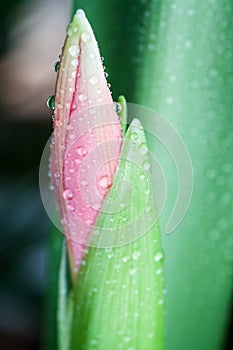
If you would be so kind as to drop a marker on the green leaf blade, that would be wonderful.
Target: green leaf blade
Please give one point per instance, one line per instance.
(119, 292)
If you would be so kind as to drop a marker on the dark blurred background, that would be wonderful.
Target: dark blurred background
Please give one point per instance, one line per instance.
(31, 36)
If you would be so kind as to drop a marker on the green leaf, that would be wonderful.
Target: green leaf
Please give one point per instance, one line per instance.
(50, 324)
(176, 57)
(65, 304)
(119, 297)
(123, 113)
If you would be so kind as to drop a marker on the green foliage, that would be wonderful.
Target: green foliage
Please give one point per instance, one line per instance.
(176, 57)
(119, 296)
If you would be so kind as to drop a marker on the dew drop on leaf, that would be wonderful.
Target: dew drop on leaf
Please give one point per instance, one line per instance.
(134, 136)
(146, 165)
(143, 150)
(158, 257)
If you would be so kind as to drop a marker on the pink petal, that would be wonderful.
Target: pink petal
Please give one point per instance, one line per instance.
(87, 136)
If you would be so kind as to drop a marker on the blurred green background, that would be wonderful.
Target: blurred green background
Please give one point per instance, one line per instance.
(31, 36)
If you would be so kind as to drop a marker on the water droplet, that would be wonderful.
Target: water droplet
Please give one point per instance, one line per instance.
(146, 165)
(51, 102)
(118, 107)
(136, 255)
(69, 30)
(159, 271)
(74, 50)
(85, 37)
(127, 339)
(82, 97)
(158, 257)
(94, 80)
(108, 250)
(134, 136)
(150, 335)
(81, 151)
(132, 272)
(84, 183)
(56, 66)
(89, 222)
(67, 194)
(143, 149)
(125, 259)
(105, 182)
(160, 302)
(51, 187)
(169, 100)
(70, 207)
(105, 74)
(74, 62)
(73, 106)
(96, 206)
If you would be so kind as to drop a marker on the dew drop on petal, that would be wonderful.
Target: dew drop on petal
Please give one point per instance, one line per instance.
(70, 207)
(73, 106)
(94, 80)
(51, 102)
(74, 62)
(84, 183)
(85, 37)
(118, 107)
(105, 182)
(56, 66)
(74, 50)
(67, 194)
(82, 97)
(81, 151)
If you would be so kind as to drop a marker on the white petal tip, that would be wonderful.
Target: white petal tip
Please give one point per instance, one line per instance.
(80, 13)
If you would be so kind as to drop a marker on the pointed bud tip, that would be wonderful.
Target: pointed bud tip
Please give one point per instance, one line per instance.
(80, 13)
(135, 124)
